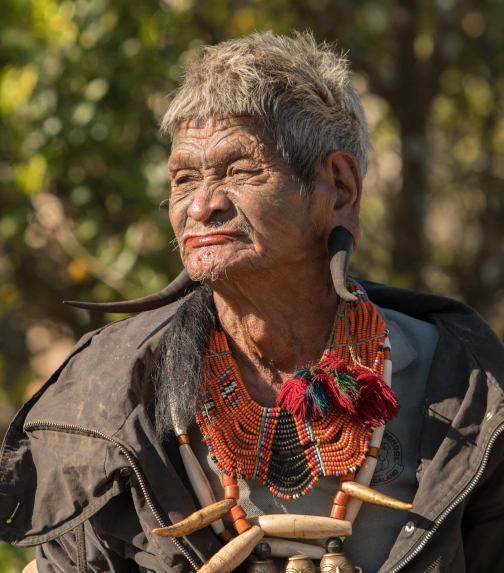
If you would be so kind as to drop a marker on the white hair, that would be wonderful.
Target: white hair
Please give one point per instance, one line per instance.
(299, 90)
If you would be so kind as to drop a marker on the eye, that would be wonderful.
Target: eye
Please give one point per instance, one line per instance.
(243, 170)
(182, 178)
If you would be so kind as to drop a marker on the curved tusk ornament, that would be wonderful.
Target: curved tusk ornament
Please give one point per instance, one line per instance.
(293, 526)
(178, 288)
(285, 548)
(340, 244)
(364, 493)
(197, 520)
(234, 552)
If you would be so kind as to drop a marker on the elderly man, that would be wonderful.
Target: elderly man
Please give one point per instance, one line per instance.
(283, 363)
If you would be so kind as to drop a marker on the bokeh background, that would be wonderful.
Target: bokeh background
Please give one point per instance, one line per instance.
(84, 83)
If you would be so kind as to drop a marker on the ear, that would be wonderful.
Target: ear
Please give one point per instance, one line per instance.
(340, 179)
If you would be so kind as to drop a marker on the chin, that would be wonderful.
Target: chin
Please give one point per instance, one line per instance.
(208, 272)
(208, 265)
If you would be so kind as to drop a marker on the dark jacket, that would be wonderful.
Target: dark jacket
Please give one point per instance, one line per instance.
(83, 451)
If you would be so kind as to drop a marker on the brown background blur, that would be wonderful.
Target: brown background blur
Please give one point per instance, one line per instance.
(83, 85)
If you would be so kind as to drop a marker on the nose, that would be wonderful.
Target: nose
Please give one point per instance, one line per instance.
(206, 203)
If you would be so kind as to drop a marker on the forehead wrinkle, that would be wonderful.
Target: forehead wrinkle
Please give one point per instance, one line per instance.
(225, 147)
(183, 158)
(198, 148)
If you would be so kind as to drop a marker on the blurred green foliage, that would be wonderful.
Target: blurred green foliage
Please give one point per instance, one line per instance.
(13, 559)
(83, 84)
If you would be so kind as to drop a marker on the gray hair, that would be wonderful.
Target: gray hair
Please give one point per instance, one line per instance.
(300, 91)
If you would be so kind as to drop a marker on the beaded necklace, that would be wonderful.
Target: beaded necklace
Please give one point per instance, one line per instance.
(285, 452)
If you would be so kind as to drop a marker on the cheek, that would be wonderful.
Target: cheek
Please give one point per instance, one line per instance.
(177, 213)
(280, 226)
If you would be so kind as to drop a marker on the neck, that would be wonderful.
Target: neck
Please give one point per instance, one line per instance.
(275, 324)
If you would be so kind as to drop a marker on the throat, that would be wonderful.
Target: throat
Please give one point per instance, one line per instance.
(270, 336)
(267, 353)
(262, 381)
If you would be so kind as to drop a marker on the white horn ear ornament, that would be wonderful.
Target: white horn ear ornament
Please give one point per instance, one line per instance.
(340, 245)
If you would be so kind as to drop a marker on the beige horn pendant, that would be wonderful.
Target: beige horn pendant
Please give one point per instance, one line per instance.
(285, 548)
(197, 520)
(364, 493)
(302, 526)
(234, 552)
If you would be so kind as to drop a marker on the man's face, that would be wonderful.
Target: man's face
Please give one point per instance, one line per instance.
(234, 206)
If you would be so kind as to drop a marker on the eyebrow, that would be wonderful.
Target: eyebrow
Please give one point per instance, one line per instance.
(193, 161)
(183, 162)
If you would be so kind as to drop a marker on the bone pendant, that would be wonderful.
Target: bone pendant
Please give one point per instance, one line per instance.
(234, 552)
(364, 476)
(200, 483)
(302, 526)
(285, 548)
(197, 520)
(371, 496)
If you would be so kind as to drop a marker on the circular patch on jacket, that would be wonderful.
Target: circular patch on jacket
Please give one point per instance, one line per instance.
(389, 464)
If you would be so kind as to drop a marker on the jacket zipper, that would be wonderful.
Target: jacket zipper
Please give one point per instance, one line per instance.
(38, 425)
(453, 504)
(178, 543)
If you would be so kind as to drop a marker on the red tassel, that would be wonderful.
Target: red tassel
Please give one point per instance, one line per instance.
(317, 387)
(378, 403)
(292, 397)
(338, 400)
(333, 363)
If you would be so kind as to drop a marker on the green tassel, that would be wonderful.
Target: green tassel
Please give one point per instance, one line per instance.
(320, 399)
(302, 373)
(348, 386)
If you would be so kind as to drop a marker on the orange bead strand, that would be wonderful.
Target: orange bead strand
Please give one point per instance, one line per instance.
(246, 440)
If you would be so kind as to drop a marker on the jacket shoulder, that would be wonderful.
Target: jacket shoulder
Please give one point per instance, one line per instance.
(67, 437)
(457, 319)
(105, 375)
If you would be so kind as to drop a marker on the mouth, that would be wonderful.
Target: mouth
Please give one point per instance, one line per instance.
(209, 239)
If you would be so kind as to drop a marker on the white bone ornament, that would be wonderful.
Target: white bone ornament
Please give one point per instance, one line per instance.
(302, 526)
(198, 479)
(365, 473)
(234, 552)
(285, 548)
(197, 520)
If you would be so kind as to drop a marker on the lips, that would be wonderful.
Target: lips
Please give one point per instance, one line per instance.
(206, 240)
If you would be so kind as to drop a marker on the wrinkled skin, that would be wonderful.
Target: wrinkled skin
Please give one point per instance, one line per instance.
(244, 227)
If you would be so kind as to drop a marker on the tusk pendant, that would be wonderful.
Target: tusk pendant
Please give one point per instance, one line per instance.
(364, 493)
(234, 552)
(199, 482)
(285, 548)
(302, 526)
(197, 520)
